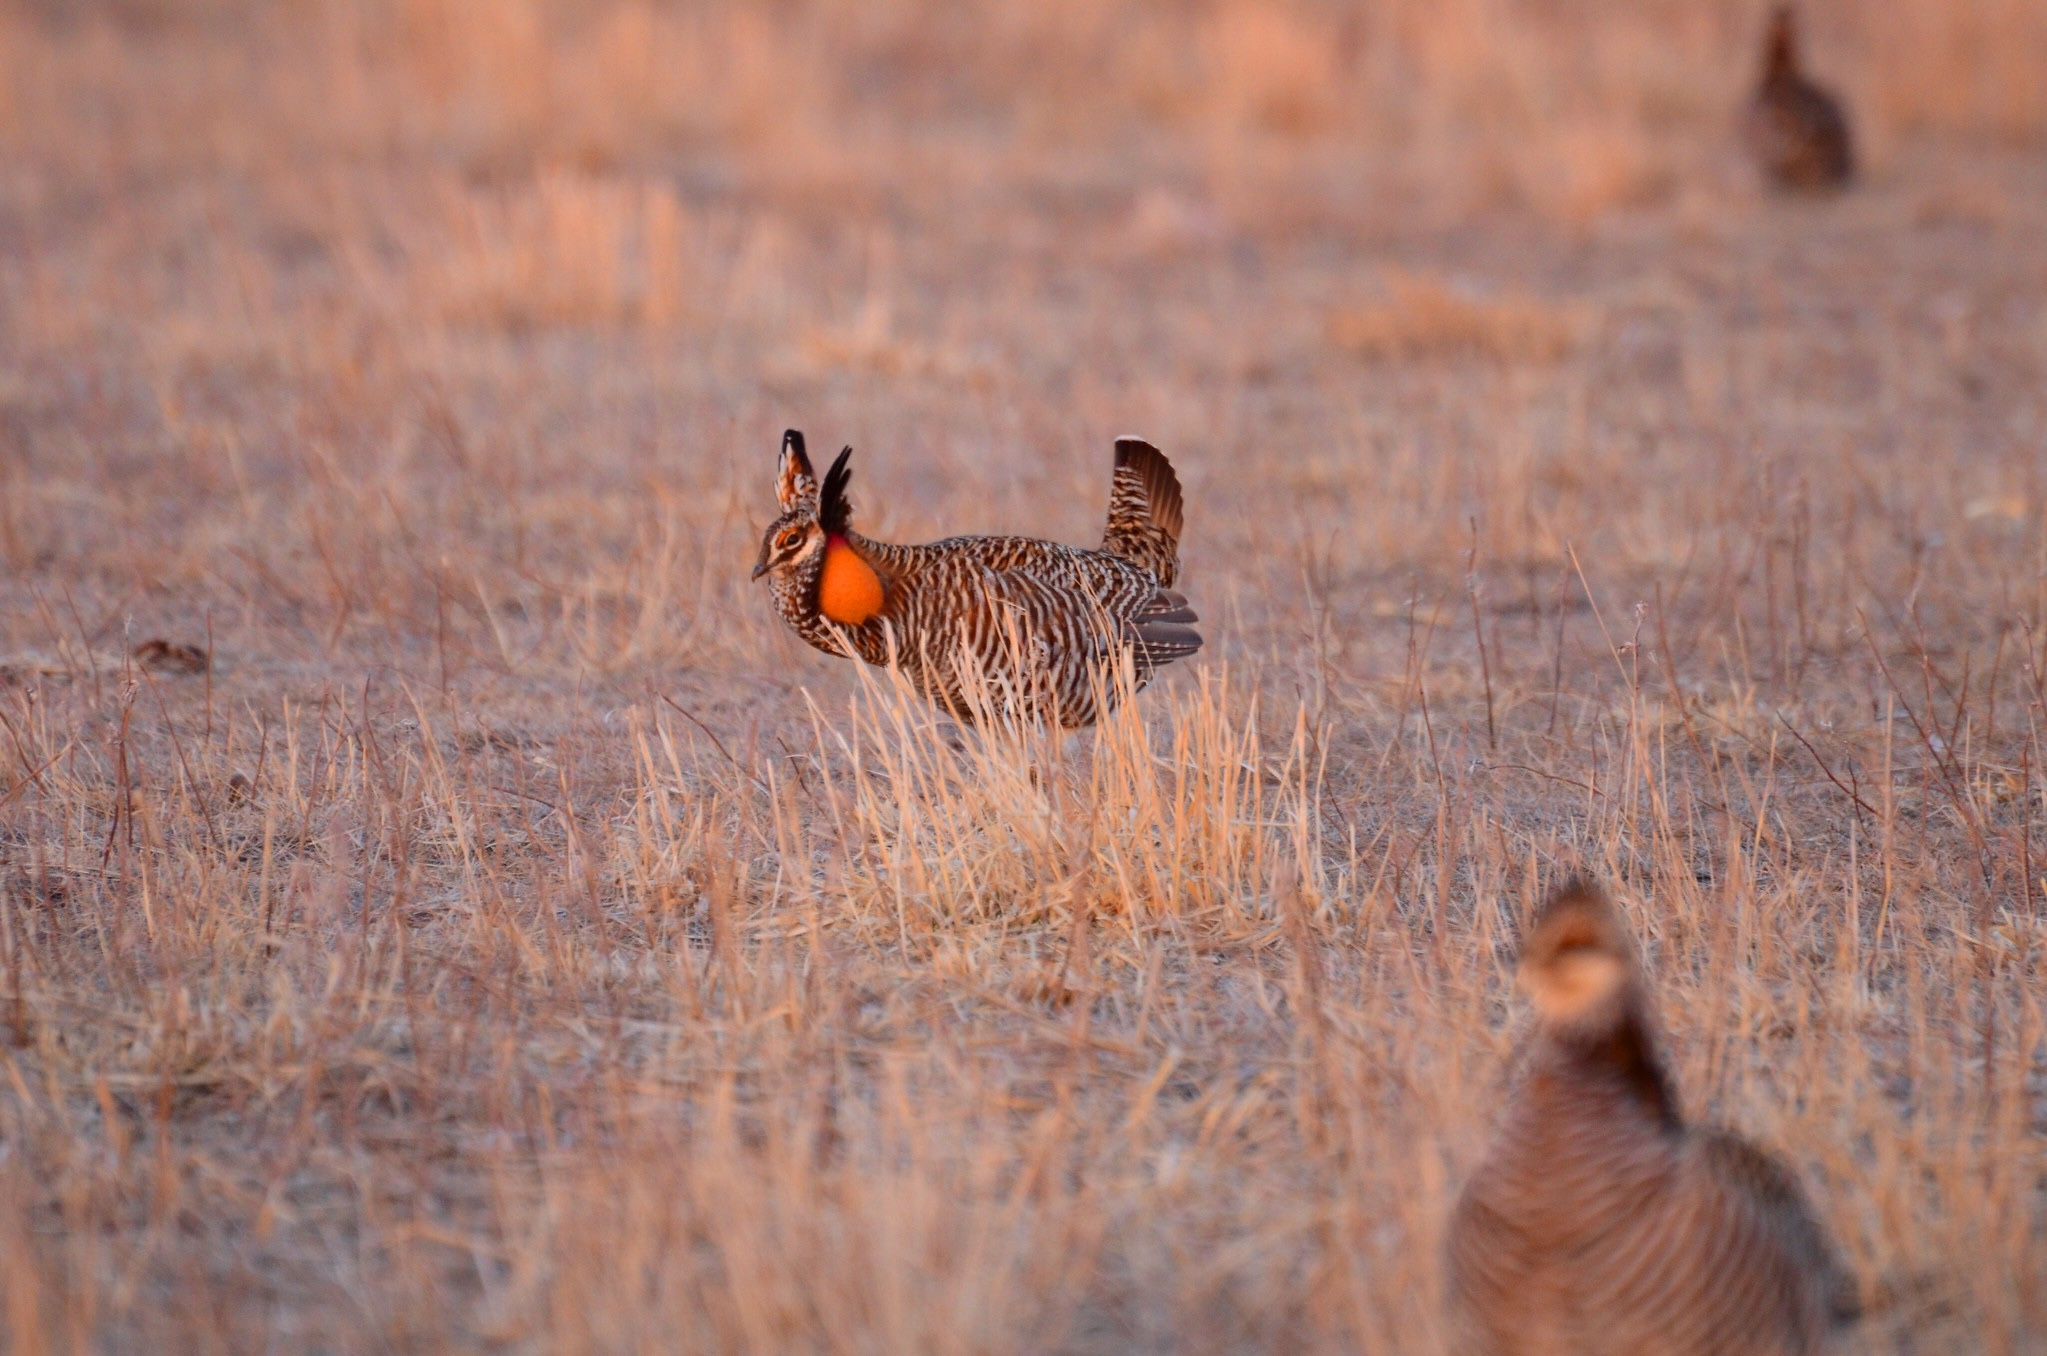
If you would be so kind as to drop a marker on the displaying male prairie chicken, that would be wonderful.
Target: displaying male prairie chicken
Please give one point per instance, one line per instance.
(1037, 621)
(1796, 129)
(1600, 1224)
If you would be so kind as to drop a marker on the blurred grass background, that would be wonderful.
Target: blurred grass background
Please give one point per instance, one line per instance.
(513, 939)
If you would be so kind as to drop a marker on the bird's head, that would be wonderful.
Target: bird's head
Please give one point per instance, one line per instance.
(1578, 965)
(812, 537)
(790, 540)
(797, 535)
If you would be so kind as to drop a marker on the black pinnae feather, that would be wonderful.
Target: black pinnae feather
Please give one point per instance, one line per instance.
(834, 510)
(792, 441)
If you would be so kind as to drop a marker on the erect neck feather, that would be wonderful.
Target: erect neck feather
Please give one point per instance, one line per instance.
(1781, 62)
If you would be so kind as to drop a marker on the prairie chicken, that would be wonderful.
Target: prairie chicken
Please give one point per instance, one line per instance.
(1600, 1224)
(1036, 620)
(1796, 130)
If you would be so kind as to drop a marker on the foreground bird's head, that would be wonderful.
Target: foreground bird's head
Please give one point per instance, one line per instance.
(797, 536)
(1578, 965)
(790, 541)
(809, 549)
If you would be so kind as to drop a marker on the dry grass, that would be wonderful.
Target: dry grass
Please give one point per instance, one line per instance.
(441, 907)
(1426, 317)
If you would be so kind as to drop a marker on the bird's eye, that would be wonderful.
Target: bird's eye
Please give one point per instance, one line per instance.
(789, 539)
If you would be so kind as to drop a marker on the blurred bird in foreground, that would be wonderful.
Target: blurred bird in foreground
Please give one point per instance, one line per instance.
(1796, 129)
(1012, 627)
(1600, 1224)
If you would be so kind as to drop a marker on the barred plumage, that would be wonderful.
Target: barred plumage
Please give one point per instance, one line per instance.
(1599, 1223)
(1796, 129)
(1038, 621)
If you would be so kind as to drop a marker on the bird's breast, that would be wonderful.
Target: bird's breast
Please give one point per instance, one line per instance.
(849, 591)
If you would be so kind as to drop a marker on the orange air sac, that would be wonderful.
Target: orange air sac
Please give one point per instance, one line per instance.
(849, 591)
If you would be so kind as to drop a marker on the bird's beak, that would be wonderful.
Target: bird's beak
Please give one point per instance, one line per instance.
(760, 570)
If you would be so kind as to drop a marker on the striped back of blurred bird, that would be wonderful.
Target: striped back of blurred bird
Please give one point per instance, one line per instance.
(1599, 1223)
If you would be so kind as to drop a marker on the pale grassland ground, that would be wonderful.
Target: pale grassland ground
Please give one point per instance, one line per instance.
(581, 964)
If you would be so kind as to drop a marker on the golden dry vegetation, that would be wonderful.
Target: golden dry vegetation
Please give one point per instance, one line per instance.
(441, 908)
